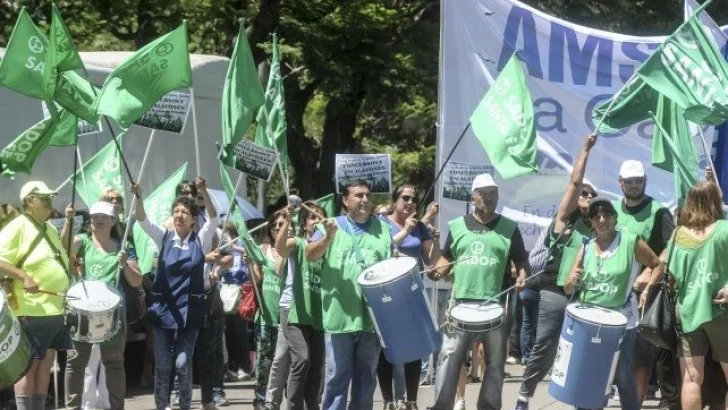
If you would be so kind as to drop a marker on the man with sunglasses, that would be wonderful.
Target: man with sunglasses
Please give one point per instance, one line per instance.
(642, 215)
(553, 256)
(31, 254)
(484, 243)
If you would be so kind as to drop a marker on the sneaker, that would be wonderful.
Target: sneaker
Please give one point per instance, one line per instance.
(231, 376)
(511, 360)
(175, 402)
(242, 376)
(521, 405)
(218, 397)
(388, 405)
(401, 405)
(459, 405)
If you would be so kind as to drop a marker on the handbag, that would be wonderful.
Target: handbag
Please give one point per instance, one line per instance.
(230, 295)
(248, 304)
(658, 322)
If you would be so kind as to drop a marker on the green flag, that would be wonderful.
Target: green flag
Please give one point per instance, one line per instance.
(272, 126)
(503, 123)
(672, 146)
(136, 84)
(689, 69)
(234, 211)
(60, 56)
(103, 171)
(242, 94)
(157, 207)
(633, 104)
(66, 131)
(253, 250)
(20, 155)
(22, 69)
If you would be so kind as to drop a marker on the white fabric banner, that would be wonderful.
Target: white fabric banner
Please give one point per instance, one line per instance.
(569, 70)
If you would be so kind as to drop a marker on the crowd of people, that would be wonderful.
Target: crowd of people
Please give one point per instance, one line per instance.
(314, 339)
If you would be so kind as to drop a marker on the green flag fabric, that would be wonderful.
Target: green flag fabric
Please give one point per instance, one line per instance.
(672, 146)
(157, 207)
(272, 126)
(66, 132)
(234, 212)
(60, 56)
(633, 104)
(689, 69)
(103, 171)
(21, 154)
(503, 123)
(135, 85)
(242, 94)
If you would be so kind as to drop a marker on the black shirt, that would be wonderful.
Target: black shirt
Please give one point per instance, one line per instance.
(549, 277)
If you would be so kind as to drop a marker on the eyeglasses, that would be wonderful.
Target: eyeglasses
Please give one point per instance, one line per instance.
(44, 198)
(408, 198)
(588, 194)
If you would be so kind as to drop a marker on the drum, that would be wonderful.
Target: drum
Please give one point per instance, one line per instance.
(476, 316)
(400, 310)
(588, 332)
(94, 318)
(16, 353)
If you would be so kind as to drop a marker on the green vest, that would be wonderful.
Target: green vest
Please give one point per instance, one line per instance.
(483, 258)
(343, 303)
(571, 249)
(700, 271)
(641, 223)
(269, 313)
(306, 305)
(608, 281)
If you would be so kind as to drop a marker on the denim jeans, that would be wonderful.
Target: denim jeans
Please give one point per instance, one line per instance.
(529, 302)
(442, 298)
(173, 346)
(209, 348)
(351, 358)
(452, 357)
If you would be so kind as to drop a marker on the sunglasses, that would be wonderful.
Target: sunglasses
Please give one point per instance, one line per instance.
(408, 198)
(633, 181)
(588, 194)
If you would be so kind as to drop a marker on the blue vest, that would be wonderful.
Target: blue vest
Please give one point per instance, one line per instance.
(178, 291)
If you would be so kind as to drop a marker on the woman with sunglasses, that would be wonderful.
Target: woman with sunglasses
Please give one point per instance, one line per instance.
(411, 238)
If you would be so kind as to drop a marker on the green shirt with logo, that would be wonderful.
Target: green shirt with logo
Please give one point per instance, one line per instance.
(344, 309)
(269, 312)
(641, 223)
(700, 269)
(608, 279)
(482, 256)
(580, 231)
(306, 307)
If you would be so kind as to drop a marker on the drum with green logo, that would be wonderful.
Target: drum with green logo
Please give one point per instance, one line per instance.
(16, 354)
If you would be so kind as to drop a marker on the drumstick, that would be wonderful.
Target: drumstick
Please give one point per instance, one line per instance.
(509, 289)
(60, 295)
(440, 266)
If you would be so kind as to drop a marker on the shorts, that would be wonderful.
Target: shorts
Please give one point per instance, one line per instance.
(46, 332)
(644, 353)
(711, 335)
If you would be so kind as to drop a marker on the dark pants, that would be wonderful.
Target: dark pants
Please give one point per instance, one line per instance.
(385, 374)
(550, 318)
(529, 301)
(306, 347)
(209, 351)
(238, 343)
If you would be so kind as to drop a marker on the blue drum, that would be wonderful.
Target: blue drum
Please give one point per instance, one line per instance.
(587, 357)
(399, 308)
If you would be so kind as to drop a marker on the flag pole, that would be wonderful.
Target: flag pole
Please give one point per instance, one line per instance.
(615, 97)
(442, 168)
(234, 199)
(194, 128)
(83, 173)
(134, 197)
(708, 155)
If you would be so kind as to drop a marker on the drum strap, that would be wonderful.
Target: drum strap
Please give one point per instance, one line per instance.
(354, 239)
(56, 252)
(33, 245)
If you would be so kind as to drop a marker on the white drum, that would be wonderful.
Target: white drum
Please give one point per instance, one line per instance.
(476, 316)
(94, 318)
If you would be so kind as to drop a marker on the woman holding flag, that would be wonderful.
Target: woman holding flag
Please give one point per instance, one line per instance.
(177, 310)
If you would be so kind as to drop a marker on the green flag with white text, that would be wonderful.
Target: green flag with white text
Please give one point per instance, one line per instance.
(141, 80)
(158, 208)
(103, 171)
(60, 56)
(503, 123)
(242, 94)
(272, 125)
(20, 155)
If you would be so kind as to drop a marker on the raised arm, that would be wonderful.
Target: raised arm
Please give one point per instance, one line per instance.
(316, 250)
(570, 200)
(285, 245)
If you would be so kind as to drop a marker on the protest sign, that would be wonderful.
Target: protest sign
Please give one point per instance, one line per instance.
(376, 169)
(84, 127)
(457, 179)
(168, 114)
(255, 160)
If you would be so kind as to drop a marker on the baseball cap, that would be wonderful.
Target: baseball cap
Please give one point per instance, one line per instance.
(483, 181)
(36, 188)
(631, 169)
(102, 208)
(604, 202)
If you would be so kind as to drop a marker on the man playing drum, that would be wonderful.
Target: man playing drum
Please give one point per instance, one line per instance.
(483, 243)
(647, 218)
(32, 255)
(352, 347)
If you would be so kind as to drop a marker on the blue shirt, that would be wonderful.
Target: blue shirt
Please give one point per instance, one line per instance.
(412, 244)
(347, 225)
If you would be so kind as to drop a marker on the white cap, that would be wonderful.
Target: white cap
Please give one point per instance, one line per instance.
(483, 181)
(102, 208)
(37, 188)
(631, 169)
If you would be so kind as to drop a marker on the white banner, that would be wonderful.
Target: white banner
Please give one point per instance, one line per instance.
(457, 179)
(570, 69)
(376, 169)
(168, 114)
(255, 160)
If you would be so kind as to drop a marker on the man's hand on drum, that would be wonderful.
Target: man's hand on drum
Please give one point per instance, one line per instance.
(721, 297)
(122, 257)
(29, 284)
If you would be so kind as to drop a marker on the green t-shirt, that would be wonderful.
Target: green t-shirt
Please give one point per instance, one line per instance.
(269, 313)
(97, 264)
(343, 303)
(306, 305)
(700, 270)
(483, 258)
(608, 279)
(641, 223)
